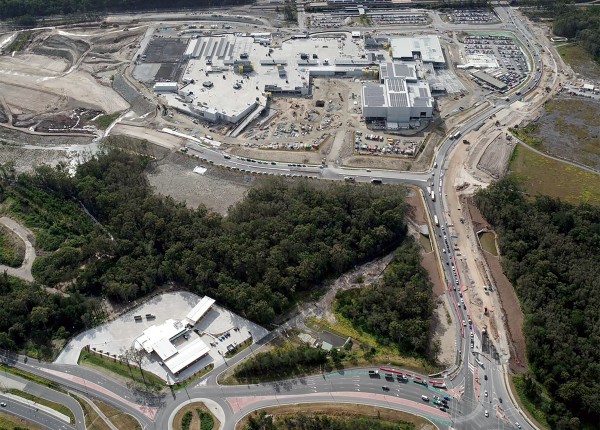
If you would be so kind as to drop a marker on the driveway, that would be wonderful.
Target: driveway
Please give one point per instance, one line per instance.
(23, 272)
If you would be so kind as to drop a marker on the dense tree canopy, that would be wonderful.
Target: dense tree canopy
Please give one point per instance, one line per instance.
(31, 319)
(398, 309)
(550, 252)
(280, 240)
(580, 23)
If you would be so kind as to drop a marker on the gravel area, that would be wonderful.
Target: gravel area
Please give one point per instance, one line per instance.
(27, 159)
(215, 189)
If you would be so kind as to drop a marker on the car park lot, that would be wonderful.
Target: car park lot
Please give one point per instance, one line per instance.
(216, 329)
(511, 60)
(473, 16)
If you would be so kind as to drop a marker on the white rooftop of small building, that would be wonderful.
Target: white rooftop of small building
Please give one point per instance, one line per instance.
(189, 353)
(199, 310)
(153, 336)
(428, 46)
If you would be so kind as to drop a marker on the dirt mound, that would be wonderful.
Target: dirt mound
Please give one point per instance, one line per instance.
(63, 47)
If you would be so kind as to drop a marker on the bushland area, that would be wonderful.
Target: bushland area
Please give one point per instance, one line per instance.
(550, 251)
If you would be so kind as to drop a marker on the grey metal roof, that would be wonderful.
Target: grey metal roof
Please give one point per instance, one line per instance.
(398, 99)
(374, 95)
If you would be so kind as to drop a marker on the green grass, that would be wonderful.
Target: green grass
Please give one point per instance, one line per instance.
(130, 373)
(239, 348)
(9, 253)
(105, 120)
(526, 135)
(31, 377)
(10, 422)
(23, 39)
(56, 406)
(531, 406)
(580, 60)
(195, 377)
(542, 175)
(206, 420)
(378, 353)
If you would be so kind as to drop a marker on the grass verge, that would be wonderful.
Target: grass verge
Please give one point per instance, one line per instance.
(194, 377)
(345, 411)
(533, 410)
(30, 377)
(542, 175)
(201, 417)
(120, 419)
(11, 422)
(239, 348)
(129, 373)
(53, 405)
(92, 419)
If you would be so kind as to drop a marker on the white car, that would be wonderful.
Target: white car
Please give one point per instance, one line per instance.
(486, 393)
(487, 414)
(3, 404)
(518, 425)
(464, 323)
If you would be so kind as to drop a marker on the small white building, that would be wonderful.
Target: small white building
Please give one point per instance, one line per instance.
(165, 87)
(174, 343)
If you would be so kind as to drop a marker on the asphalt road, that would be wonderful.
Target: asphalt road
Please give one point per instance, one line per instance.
(32, 414)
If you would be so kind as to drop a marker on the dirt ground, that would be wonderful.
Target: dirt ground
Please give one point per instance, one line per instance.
(345, 411)
(216, 189)
(511, 308)
(495, 158)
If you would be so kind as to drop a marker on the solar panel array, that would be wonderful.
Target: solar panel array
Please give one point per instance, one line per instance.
(374, 96)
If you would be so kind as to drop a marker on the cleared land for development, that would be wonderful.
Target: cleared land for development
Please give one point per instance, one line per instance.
(496, 157)
(580, 61)
(542, 175)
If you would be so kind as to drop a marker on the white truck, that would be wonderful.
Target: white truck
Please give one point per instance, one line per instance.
(433, 196)
(435, 220)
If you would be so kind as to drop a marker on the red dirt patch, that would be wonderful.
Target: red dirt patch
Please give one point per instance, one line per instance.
(511, 308)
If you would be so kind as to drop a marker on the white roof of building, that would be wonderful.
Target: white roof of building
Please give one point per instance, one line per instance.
(191, 352)
(428, 46)
(199, 310)
(164, 348)
(152, 338)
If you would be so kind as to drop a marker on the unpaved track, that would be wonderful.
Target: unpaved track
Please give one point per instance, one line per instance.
(23, 272)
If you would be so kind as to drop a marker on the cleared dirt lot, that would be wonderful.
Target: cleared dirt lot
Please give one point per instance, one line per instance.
(496, 156)
(174, 177)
